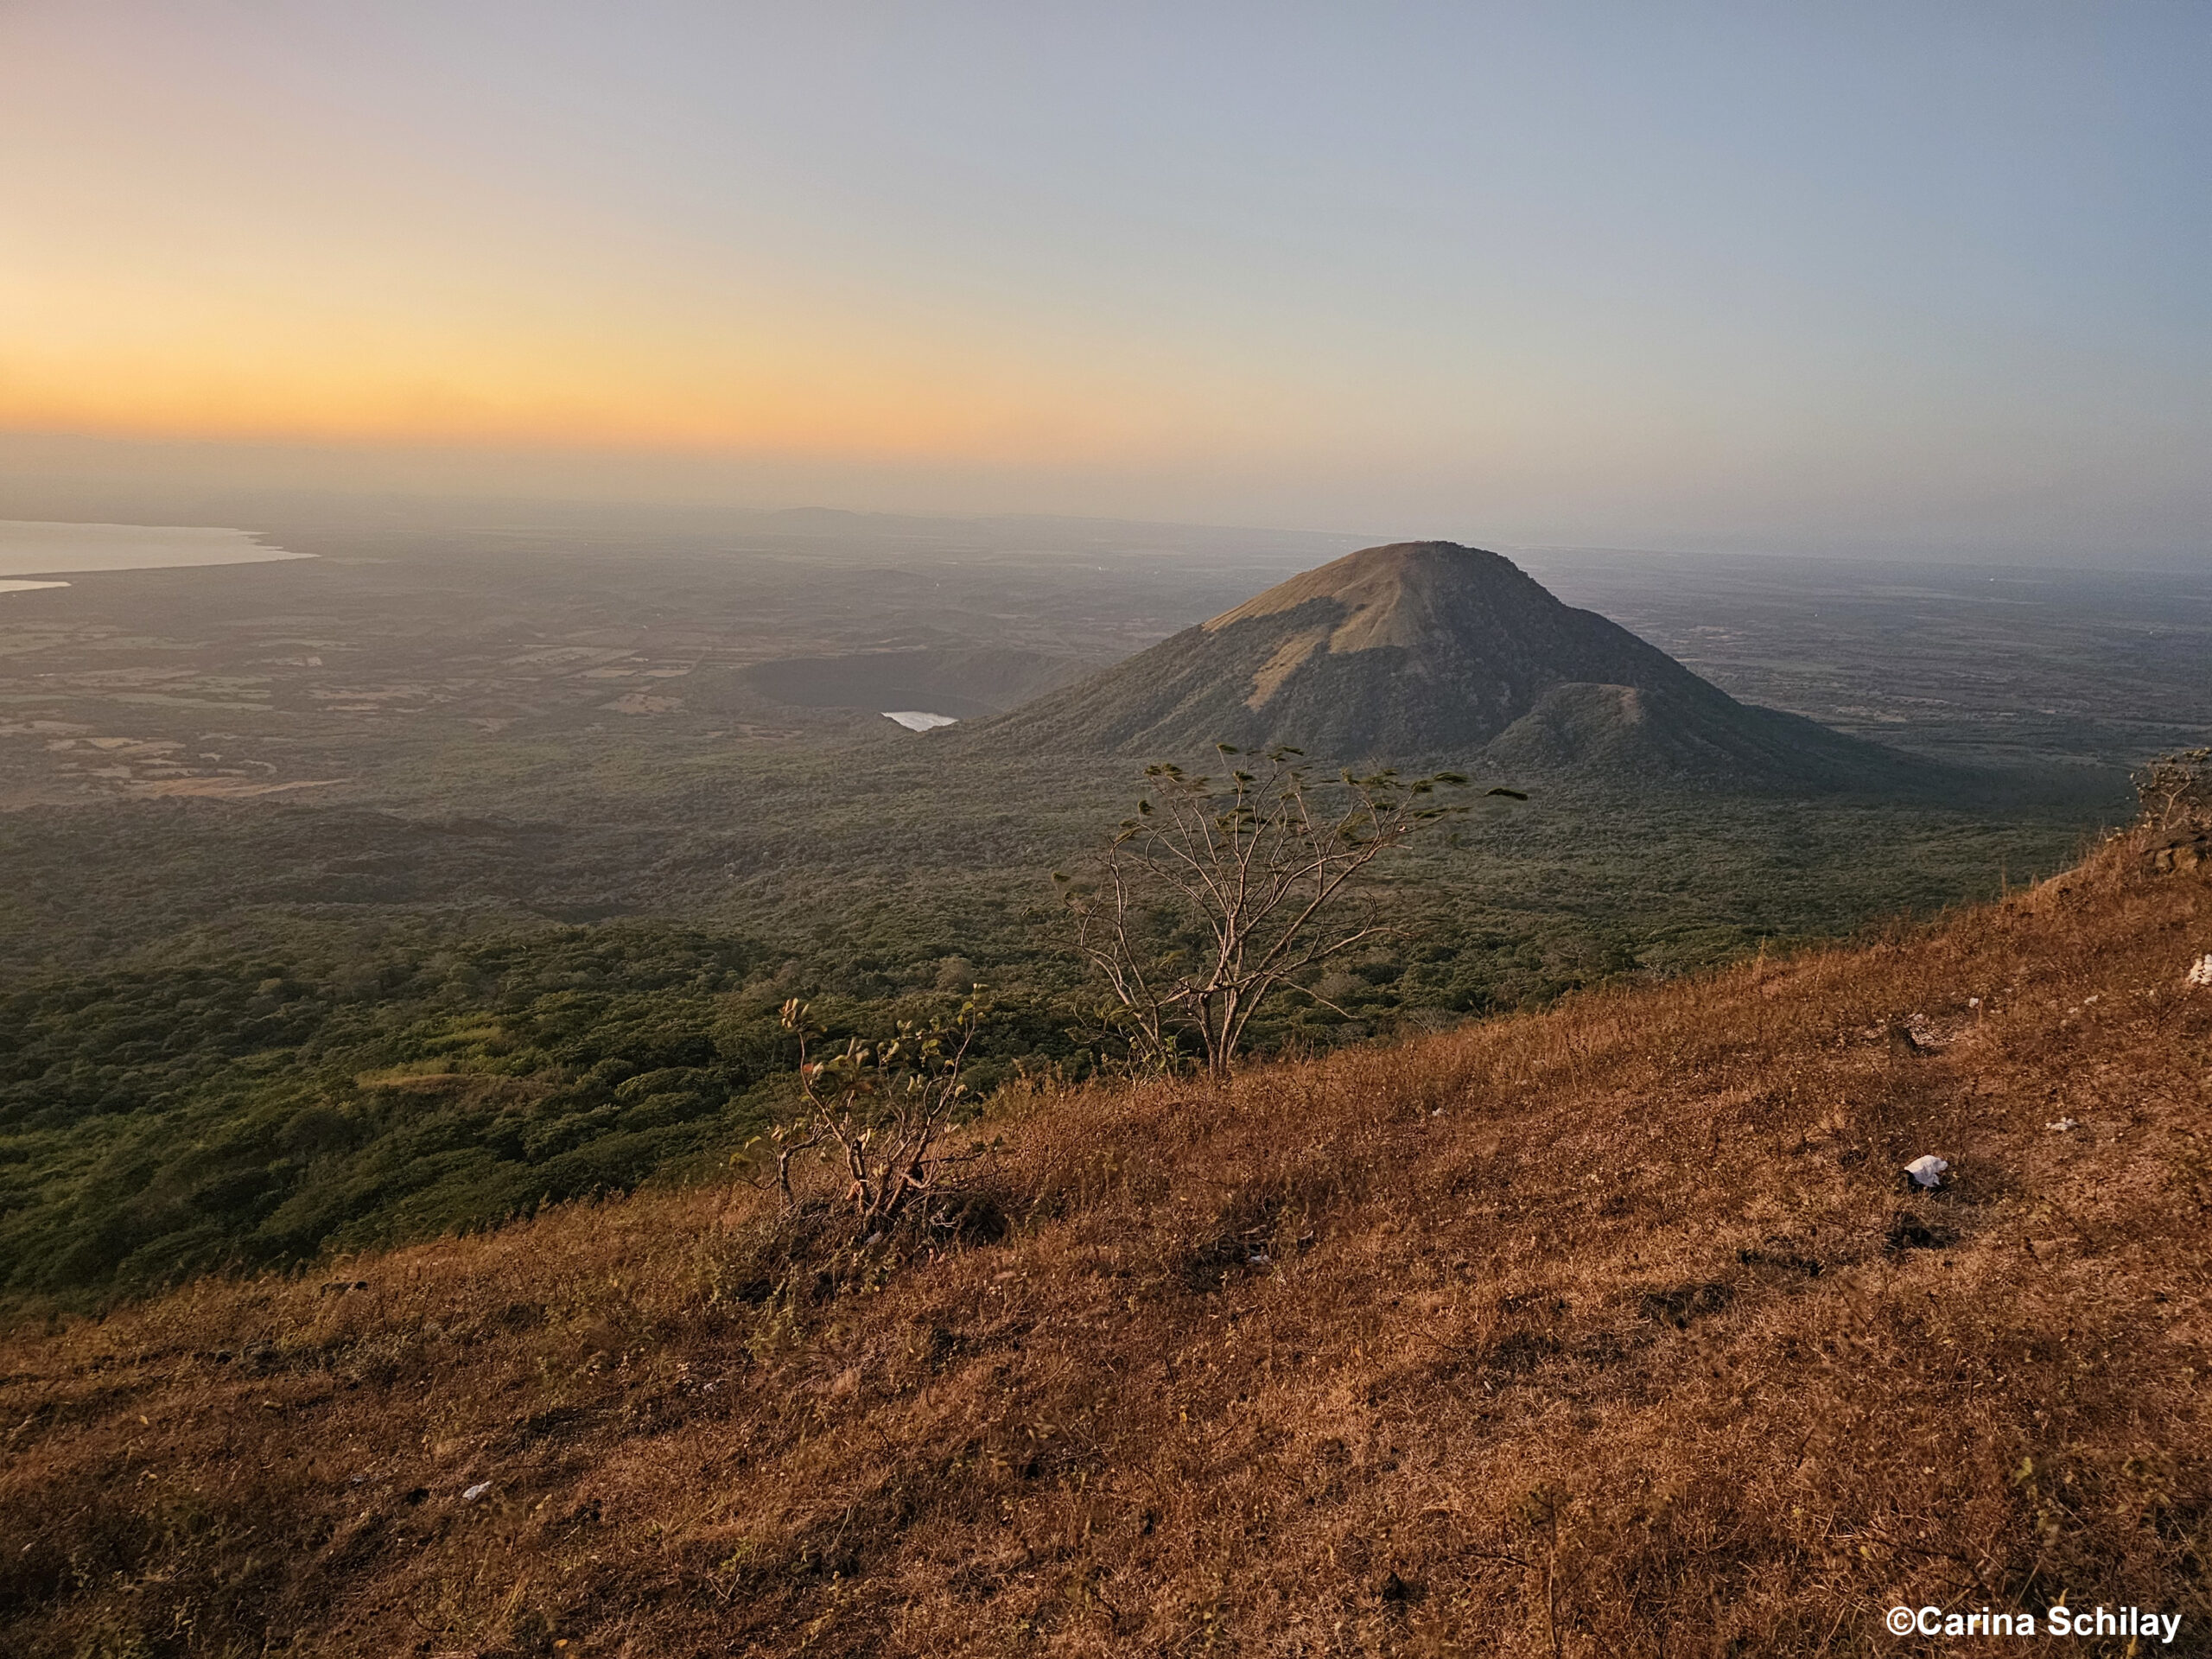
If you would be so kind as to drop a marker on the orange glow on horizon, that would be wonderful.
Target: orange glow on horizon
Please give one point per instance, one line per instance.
(492, 390)
(346, 410)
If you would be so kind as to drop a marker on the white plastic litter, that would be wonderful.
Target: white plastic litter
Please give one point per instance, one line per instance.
(2200, 974)
(476, 1491)
(2062, 1125)
(1928, 1170)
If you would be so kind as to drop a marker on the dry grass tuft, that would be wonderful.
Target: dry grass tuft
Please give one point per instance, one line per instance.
(1610, 1330)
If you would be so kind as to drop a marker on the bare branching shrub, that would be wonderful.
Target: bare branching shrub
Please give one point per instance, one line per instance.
(884, 1112)
(2176, 790)
(1216, 894)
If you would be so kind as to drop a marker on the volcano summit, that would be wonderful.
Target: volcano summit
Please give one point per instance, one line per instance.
(1432, 650)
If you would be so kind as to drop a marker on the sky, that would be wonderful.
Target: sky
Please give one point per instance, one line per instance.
(1871, 276)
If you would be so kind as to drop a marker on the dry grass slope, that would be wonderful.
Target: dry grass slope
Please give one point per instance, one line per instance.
(1605, 1332)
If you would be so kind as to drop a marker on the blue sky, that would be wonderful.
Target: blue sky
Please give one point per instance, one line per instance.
(1880, 276)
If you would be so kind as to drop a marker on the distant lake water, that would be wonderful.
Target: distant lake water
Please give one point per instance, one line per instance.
(28, 548)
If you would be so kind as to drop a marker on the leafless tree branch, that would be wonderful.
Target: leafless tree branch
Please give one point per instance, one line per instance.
(1252, 869)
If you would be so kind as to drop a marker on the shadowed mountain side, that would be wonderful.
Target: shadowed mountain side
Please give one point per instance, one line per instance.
(1623, 731)
(1427, 650)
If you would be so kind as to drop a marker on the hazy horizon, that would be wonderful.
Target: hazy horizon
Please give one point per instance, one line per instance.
(1892, 282)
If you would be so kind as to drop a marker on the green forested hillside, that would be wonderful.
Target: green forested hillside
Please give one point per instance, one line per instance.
(238, 1036)
(253, 1111)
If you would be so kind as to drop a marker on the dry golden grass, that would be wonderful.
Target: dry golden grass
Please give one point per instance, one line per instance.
(1604, 1331)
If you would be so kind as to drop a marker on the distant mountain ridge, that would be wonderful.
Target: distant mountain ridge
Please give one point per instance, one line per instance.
(1429, 650)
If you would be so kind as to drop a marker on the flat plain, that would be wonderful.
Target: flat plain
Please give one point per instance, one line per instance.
(465, 863)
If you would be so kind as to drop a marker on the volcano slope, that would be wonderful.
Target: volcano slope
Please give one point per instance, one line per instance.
(1432, 650)
(1605, 1331)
